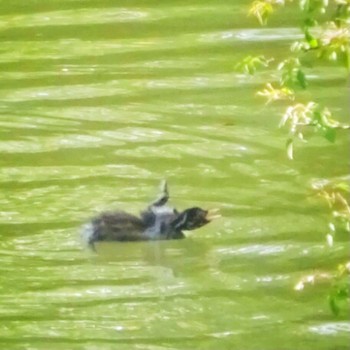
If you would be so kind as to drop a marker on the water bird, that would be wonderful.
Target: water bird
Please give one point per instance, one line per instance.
(157, 222)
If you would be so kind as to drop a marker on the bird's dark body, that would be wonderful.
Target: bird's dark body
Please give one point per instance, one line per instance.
(122, 226)
(157, 222)
(118, 226)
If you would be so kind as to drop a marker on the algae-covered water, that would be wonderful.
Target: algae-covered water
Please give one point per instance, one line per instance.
(100, 101)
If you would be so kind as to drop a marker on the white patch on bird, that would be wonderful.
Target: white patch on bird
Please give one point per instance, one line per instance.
(162, 210)
(86, 232)
(182, 221)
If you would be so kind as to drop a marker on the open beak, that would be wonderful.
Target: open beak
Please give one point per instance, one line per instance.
(212, 214)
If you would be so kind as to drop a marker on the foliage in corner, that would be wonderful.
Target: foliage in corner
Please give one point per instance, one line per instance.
(325, 25)
(326, 35)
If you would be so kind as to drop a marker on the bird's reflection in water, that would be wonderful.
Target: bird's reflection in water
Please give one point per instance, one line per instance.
(171, 259)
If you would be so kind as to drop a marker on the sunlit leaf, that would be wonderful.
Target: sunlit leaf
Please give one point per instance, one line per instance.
(274, 94)
(251, 64)
(310, 39)
(344, 186)
(331, 226)
(291, 73)
(261, 10)
(312, 6)
(289, 146)
(329, 238)
(342, 2)
(336, 194)
(333, 56)
(298, 46)
(299, 286)
(304, 4)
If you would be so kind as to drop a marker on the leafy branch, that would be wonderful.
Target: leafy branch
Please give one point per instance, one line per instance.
(335, 194)
(326, 35)
(300, 116)
(250, 64)
(340, 291)
(339, 296)
(330, 41)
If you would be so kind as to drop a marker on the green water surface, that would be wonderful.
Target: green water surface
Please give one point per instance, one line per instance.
(99, 101)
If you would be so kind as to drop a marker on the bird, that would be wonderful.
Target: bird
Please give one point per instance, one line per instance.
(157, 222)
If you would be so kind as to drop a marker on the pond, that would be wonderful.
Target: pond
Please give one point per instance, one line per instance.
(100, 101)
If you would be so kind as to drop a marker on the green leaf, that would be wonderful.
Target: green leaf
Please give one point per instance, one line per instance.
(327, 132)
(310, 22)
(347, 58)
(343, 186)
(317, 118)
(342, 292)
(301, 79)
(333, 305)
(310, 39)
(261, 10)
(330, 134)
(313, 43)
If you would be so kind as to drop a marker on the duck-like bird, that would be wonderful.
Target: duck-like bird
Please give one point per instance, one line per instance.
(157, 222)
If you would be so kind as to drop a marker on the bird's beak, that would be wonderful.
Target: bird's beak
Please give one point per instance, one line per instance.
(212, 214)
